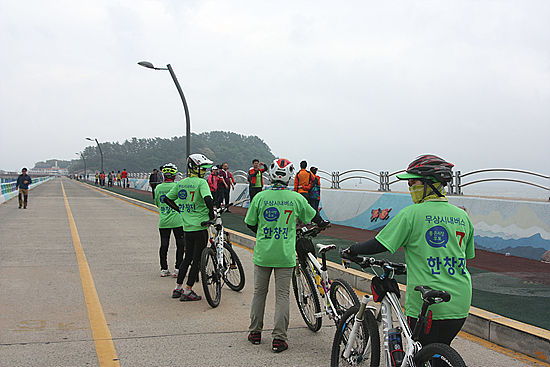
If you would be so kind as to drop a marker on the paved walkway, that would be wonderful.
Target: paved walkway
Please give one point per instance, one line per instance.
(81, 287)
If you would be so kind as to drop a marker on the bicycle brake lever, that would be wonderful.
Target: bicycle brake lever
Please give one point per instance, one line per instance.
(346, 263)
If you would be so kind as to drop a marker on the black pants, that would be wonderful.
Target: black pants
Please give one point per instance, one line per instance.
(224, 195)
(165, 243)
(253, 191)
(195, 242)
(442, 331)
(153, 185)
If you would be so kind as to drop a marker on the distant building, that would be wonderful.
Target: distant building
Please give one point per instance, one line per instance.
(52, 171)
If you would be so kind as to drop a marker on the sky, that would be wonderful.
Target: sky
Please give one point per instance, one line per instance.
(343, 85)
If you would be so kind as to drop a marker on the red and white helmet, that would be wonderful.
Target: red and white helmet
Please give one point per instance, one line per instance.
(281, 170)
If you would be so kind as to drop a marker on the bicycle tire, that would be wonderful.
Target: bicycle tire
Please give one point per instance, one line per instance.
(308, 302)
(343, 297)
(234, 278)
(444, 354)
(367, 343)
(211, 280)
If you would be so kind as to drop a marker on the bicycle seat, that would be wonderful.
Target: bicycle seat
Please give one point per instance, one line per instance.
(432, 296)
(324, 248)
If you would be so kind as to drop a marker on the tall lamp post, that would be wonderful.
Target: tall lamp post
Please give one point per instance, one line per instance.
(149, 65)
(99, 146)
(82, 156)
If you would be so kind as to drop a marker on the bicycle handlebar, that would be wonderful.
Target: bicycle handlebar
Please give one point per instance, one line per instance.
(217, 213)
(365, 262)
(313, 231)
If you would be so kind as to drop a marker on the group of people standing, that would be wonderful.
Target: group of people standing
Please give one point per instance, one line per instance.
(221, 182)
(273, 215)
(119, 179)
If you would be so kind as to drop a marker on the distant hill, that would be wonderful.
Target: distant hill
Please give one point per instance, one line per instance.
(51, 163)
(143, 155)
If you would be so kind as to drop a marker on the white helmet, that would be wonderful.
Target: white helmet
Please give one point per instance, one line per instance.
(281, 170)
(198, 160)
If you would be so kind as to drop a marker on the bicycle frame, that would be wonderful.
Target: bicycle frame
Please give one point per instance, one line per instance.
(322, 271)
(217, 243)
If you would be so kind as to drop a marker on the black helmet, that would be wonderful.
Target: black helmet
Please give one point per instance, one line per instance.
(429, 167)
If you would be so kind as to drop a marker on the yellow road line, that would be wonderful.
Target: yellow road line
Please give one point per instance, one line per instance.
(105, 349)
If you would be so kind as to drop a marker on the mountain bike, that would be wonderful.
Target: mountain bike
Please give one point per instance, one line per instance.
(357, 338)
(219, 262)
(310, 279)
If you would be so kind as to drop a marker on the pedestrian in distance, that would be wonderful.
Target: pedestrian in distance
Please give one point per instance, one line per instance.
(124, 175)
(196, 206)
(435, 250)
(302, 181)
(228, 184)
(272, 217)
(255, 178)
(170, 221)
(119, 179)
(315, 190)
(213, 181)
(154, 180)
(110, 180)
(23, 182)
(96, 178)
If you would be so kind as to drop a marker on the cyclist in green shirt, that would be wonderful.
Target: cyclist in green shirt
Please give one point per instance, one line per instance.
(437, 238)
(169, 221)
(272, 216)
(196, 206)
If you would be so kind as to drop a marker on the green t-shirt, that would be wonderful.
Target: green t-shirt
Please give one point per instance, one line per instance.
(437, 238)
(168, 217)
(191, 192)
(275, 212)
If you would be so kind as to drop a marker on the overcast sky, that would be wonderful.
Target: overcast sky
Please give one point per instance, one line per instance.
(342, 84)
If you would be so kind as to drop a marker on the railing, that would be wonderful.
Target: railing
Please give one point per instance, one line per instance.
(453, 188)
(385, 179)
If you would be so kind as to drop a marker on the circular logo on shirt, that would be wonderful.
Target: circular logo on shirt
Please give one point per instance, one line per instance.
(437, 237)
(182, 194)
(161, 199)
(271, 214)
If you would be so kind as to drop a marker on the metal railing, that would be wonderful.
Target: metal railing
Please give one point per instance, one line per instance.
(384, 178)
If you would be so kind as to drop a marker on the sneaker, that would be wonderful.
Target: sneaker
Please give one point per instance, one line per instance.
(191, 296)
(164, 272)
(175, 272)
(279, 345)
(177, 293)
(20, 206)
(255, 338)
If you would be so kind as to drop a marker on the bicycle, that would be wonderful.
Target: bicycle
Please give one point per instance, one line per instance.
(310, 279)
(219, 262)
(357, 338)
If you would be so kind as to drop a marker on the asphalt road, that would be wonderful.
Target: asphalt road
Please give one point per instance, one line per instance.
(80, 286)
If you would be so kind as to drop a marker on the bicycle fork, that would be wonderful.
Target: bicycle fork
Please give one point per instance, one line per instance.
(355, 328)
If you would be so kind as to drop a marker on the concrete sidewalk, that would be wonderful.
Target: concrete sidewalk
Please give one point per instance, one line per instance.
(47, 317)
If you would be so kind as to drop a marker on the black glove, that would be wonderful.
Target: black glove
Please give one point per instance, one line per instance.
(324, 224)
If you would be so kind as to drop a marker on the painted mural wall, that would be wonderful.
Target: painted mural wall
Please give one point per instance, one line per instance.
(518, 227)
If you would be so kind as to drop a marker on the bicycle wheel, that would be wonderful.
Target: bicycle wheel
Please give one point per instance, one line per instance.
(234, 276)
(343, 297)
(438, 354)
(307, 298)
(211, 280)
(366, 348)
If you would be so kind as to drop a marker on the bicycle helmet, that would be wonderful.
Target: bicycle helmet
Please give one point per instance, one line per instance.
(198, 163)
(169, 170)
(281, 170)
(429, 167)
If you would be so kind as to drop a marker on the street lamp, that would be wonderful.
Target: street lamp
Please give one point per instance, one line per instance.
(85, 175)
(99, 146)
(147, 64)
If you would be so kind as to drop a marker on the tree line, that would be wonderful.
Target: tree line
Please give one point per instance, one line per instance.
(143, 155)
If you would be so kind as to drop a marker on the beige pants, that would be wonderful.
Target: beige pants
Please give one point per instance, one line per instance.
(23, 196)
(283, 277)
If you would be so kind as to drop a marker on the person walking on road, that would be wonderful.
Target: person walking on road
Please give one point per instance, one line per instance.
(23, 182)
(272, 217)
(302, 181)
(170, 221)
(255, 177)
(124, 175)
(118, 178)
(438, 238)
(213, 182)
(196, 206)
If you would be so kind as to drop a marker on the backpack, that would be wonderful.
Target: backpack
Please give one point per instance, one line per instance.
(315, 191)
